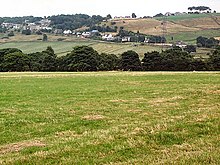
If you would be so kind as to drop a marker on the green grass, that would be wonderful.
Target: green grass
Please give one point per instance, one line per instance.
(186, 17)
(110, 118)
(62, 48)
(190, 37)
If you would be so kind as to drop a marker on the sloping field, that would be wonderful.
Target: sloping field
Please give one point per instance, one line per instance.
(62, 48)
(203, 23)
(110, 118)
(183, 27)
(151, 26)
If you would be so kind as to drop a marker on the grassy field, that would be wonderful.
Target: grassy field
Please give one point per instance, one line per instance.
(64, 47)
(190, 37)
(110, 118)
(183, 27)
(187, 17)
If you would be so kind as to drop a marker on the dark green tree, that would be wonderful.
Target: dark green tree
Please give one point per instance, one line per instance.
(133, 15)
(152, 61)
(16, 61)
(109, 16)
(44, 37)
(26, 32)
(108, 62)
(176, 60)
(214, 60)
(82, 58)
(190, 48)
(11, 34)
(130, 61)
(44, 61)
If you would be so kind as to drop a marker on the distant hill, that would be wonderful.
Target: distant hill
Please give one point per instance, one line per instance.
(189, 25)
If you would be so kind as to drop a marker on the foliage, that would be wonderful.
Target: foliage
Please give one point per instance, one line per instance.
(109, 16)
(26, 32)
(11, 34)
(82, 58)
(156, 39)
(44, 37)
(199, 8)
(214, 59)
(72, 22)
(108, 62)
(152, 61)
(176, 60)
(20, 20)
(130, 61)
(133, 15)
(103, 28)
(206, 42)
(43, 61)
(159, 15)
(170, 60)
(2, 29)
(190, 48)
(85, 58)
(16, 61)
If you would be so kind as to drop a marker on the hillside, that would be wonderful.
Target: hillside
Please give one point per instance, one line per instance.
(201, 24)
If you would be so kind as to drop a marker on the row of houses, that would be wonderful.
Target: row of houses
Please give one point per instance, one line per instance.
(121, 17)
(175, 14)
(42, 24)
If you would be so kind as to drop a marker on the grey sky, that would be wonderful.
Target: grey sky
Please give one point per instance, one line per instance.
(101, 7)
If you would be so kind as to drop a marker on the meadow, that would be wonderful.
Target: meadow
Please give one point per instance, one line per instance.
(63, 47)
(188, 16)
(110, 118)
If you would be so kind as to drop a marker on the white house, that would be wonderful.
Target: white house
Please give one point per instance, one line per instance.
(67, 32)
(86, 34)
(126, 39)
(108, 37)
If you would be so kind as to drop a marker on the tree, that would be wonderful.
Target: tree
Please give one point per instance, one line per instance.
(206, 42)
(44, 37)
(190, 48)
(109, 16)
(130, 61)
(26, 32)
(152, 61)
(82, 58)
(159, 15)
(214, 59)
(133, 15)
(108, 62)
(10, 34)
(6, 51)
(176, 60)
(43, 61)
(16, 61)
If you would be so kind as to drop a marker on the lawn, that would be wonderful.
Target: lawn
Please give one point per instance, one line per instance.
(110, 118)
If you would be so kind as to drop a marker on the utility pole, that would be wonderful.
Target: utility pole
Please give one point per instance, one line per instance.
(164, 30)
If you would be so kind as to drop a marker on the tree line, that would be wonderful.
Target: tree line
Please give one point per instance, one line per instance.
(85, 58)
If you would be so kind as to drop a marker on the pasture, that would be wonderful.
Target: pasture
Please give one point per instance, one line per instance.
(110, 118)
(64, 47)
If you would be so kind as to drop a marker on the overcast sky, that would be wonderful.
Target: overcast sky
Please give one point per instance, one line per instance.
(101, 7)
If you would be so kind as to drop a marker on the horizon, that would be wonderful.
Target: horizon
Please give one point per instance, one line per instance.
(41, 8)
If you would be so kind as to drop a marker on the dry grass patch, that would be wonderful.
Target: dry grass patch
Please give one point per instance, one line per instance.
(203, 23)
(93, 117)
(166, 101)
(119, 101)
(16, 147)
(134, 110)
